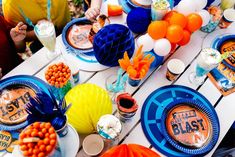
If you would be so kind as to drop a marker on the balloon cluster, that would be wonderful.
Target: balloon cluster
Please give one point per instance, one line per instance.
(187, 6)
(175, 28)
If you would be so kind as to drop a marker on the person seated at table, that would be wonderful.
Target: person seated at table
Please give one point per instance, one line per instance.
(93, 9)
(36, 10)
(11, 42)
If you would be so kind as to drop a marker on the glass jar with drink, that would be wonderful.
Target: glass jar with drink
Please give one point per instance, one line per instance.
(208, 59)
(45, 32)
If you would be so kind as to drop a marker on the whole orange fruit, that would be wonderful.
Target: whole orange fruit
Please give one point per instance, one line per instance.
(168, 16)
(186, 38)
(178, 19)
(174, 33)
(194, 22)
(157, 29)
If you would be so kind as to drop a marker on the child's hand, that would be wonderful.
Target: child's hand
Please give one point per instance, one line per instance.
(19, 32)
(92, 13)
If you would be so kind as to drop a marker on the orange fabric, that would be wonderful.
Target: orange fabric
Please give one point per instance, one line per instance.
(36, 10)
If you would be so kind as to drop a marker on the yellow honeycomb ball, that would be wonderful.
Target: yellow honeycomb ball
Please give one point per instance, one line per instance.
(89, 103)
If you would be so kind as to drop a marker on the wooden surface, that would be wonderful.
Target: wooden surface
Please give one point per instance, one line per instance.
(132, 130)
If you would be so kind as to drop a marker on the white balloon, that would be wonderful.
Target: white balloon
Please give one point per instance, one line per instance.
(200, 4)
(205, 16)
(162, 47)
(146, 41)
(186, 7)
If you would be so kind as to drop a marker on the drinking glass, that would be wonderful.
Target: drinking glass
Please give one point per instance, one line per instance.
(112, 88)
(207, 60)
(45, 32)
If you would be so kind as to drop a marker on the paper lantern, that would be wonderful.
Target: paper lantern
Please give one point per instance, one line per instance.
(111, 42)
(138, 20)
(205, 15)
(89, 103)
(130, 150)
(162, 47)
(146, 41)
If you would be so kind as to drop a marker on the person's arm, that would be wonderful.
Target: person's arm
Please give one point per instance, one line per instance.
(94, 10)
(18, 35)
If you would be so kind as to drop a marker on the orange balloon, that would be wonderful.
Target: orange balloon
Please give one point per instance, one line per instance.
(194, 22)
(186, 38)
(174, 33)
(173, 47)
(157, 29)
(178, 19)
(168, 16)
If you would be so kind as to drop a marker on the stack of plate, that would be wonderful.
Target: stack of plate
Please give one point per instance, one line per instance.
(179, 121)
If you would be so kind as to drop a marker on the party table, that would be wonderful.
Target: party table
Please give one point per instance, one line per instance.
(132, 131)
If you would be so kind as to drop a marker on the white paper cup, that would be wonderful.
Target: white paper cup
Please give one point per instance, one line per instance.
(228, 18)
(93, 145)
(174, 68)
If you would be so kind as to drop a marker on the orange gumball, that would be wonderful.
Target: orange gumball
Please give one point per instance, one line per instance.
(168, 16)
(186, 38)
(174, 33)
(194, 22)
(178, 19)
(157, 29)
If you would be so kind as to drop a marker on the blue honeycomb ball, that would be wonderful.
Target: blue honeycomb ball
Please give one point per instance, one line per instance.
(138, 20)
(111, 42)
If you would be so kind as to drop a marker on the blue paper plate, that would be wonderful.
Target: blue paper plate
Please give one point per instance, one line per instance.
(210, 114)
(218, 42)
(153, 108)
(37, 85)
(78, 21)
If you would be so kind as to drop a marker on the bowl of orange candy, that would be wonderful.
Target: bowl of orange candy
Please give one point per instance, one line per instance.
(39, 140)
(58, 77)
